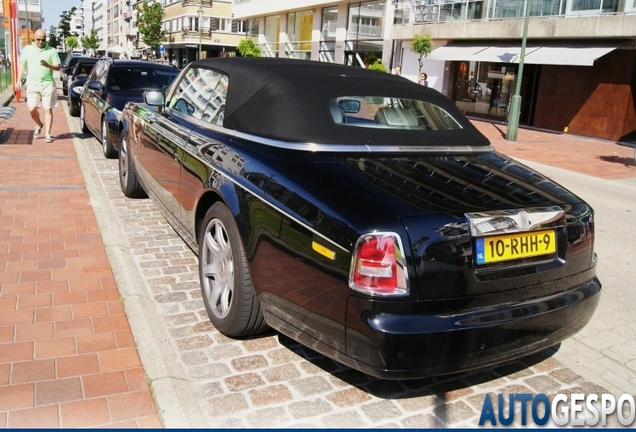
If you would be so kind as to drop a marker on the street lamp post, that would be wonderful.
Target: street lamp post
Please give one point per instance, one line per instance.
(515, 103)
(26, 13)
(200, 12)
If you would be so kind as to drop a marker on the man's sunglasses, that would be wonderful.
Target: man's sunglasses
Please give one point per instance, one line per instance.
(40, 40)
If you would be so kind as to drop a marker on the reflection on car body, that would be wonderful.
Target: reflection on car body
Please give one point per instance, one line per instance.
(343, 208)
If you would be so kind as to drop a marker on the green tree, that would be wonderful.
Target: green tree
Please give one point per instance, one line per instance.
(65, 23)
(149, 17)
(91, 41)
(71, 42)
(377, 66)
(247, 48)
(422, 45)
(53, 39)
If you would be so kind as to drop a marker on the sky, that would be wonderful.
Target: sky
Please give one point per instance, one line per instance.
(52, 9)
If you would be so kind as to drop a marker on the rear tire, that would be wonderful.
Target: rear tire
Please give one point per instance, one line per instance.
(128, 181)
(107, 147)
(226, 285)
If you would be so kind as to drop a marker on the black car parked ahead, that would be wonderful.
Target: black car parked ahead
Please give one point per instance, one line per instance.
(75, 82)
(110, 85)
(68, 68)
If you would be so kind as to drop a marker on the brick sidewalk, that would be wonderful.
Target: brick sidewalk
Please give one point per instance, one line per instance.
(67, 355)
(602, 159)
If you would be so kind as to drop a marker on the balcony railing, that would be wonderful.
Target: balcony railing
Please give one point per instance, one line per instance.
(205, 33)
(432, 11)
(207, 3)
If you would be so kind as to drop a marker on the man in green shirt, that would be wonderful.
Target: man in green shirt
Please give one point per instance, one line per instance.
(39, 60)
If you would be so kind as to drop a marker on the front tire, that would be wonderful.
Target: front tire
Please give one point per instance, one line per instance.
(226, 286)
(107, 147)
(128, 181)
(83, 119)
(71, 109)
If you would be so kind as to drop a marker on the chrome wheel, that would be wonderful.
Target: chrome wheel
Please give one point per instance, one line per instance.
(226, 286)
(217, 268)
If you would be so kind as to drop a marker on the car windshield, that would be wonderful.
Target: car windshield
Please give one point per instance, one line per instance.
(390, 113)
(140, 78)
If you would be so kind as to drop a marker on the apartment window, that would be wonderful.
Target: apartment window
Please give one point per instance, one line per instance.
(272, 33)
(327, 50)
(252, 28)
(364, 32)
(299, 28)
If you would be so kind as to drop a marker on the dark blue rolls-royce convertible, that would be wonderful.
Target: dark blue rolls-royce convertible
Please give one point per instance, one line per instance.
(360, 214)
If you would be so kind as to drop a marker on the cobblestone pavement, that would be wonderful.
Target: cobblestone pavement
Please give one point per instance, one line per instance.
(270, 380)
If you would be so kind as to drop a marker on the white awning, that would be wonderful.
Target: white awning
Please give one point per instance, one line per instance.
(550, 53)
(456, 52)
(567, 55)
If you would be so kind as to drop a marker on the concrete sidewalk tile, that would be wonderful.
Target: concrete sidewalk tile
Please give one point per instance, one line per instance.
(131, 405)
(32, 371)
(57, 391)
(77, 365)
(38, 417)
(55, 348)
(96, 342)
(7, 334)
(15, 397)
(55, 313)
(33, 331)
(84, 413)
(104, 384)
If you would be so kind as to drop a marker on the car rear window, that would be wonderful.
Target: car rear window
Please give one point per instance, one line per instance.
(141, 78)
(390, 113)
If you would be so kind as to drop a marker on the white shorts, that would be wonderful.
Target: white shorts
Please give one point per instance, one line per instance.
(41, 94)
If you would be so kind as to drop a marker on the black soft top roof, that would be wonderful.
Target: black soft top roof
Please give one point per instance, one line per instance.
(288, 99)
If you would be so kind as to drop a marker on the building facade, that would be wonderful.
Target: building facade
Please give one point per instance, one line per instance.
(29, 19)
(579, 70)
(200, 29)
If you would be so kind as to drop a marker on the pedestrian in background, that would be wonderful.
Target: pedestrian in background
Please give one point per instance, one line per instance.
(424, 79)
(39, 60)
(397, 70)
(494, 97)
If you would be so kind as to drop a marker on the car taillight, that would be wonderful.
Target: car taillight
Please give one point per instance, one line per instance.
(378, 267)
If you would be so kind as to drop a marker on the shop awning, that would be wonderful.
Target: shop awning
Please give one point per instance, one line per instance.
(573, 53)
(569, 55)
(456, 52)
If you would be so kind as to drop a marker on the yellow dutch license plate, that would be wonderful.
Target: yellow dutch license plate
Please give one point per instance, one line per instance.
(514, 246)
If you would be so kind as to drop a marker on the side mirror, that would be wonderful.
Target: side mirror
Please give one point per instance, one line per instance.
(349, 105)
(155, 98)
(94, 85)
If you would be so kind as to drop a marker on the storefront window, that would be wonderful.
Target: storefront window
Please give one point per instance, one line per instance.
(484, 88)
(272, 34)
(299, 27)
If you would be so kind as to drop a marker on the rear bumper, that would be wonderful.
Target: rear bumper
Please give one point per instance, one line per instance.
(415, 345)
